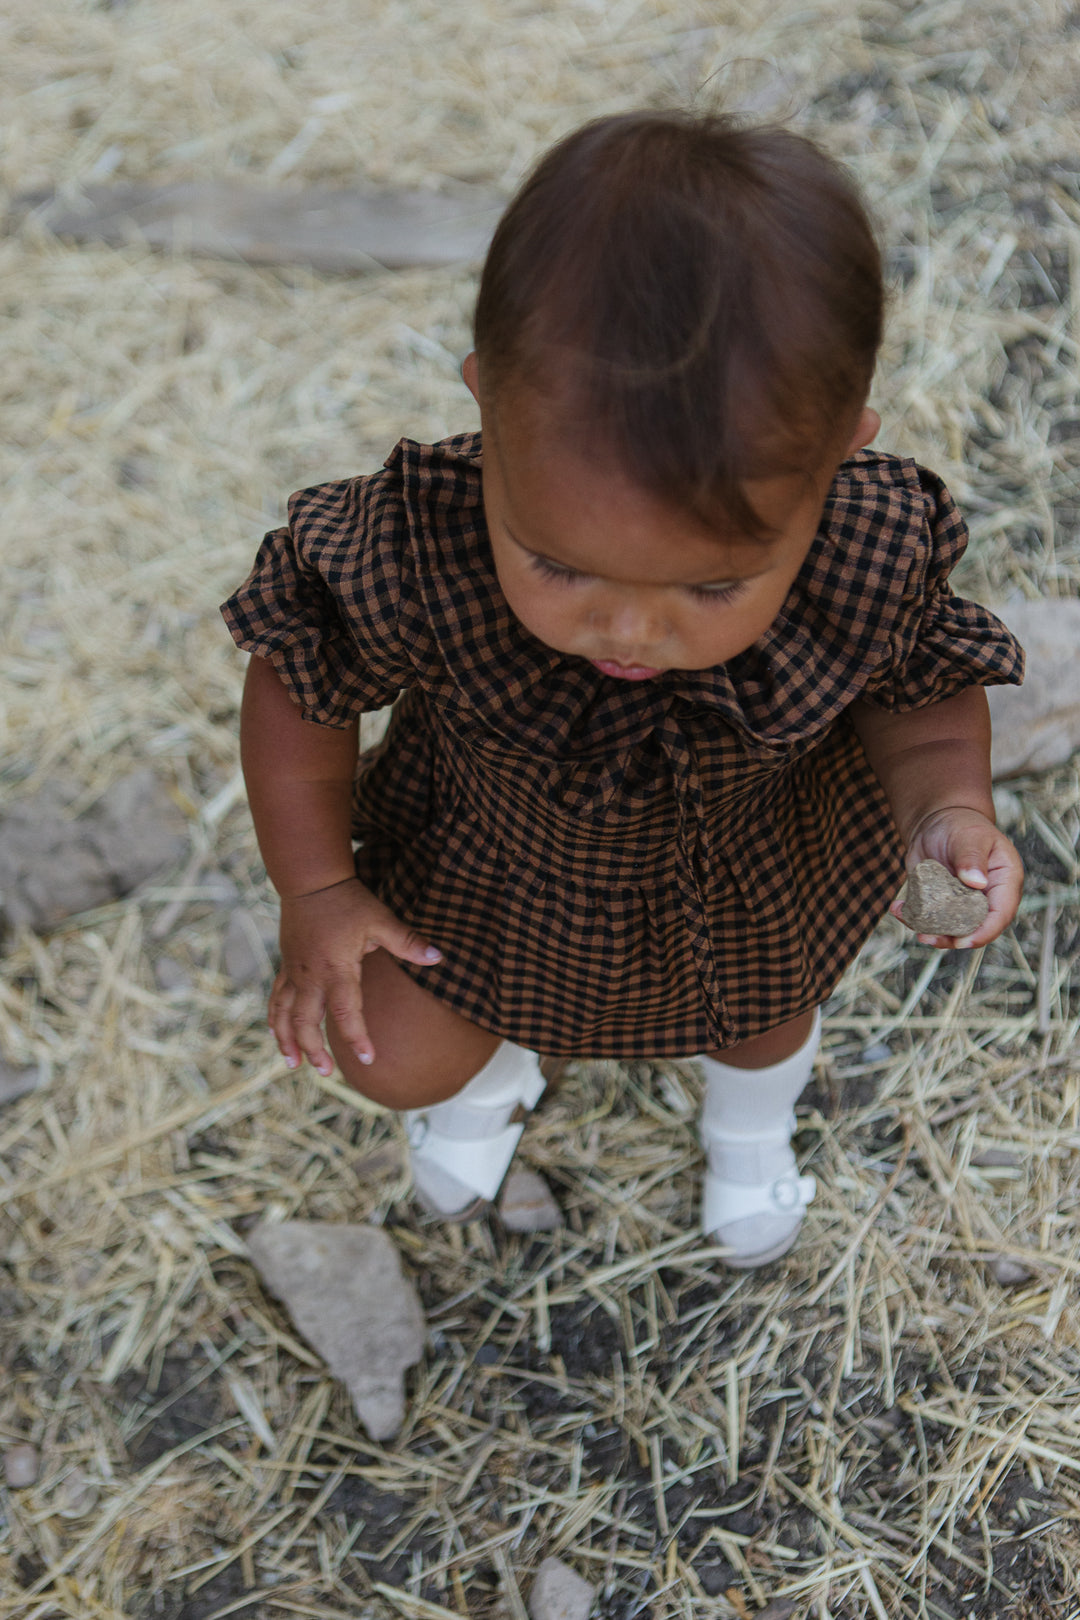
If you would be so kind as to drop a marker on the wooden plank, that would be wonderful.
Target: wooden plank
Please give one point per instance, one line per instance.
(325, 228)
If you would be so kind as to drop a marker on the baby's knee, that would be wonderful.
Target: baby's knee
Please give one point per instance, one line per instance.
(393, 1082)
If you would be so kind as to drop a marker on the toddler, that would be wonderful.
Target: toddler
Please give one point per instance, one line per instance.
(679, 683)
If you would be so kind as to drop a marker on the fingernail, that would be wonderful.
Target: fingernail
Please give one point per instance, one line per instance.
(365, 1057)
(432, 955)
(965, 944)
(972, 874)
(326, 1069)
(291, 1062)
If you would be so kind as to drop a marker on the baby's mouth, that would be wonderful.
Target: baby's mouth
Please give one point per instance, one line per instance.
(624, 672)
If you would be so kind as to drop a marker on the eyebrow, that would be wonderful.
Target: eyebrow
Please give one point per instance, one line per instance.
(696, 584)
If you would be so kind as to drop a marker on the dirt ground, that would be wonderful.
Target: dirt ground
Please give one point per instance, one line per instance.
(879, 1425)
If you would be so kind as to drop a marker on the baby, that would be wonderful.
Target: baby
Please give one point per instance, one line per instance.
(679, 683)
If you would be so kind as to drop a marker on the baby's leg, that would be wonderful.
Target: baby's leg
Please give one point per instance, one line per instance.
(424, 1051)
(464, 1092)
(754, 1196)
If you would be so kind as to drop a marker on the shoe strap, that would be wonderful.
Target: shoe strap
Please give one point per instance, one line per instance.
(731, 1201)
(480, 1166)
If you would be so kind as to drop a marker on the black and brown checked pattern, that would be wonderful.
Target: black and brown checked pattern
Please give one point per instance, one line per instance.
(615, 869)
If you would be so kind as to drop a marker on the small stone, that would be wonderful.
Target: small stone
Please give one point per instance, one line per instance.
(137, 828)
(559, 1593)
(526, 1204)
(76, 1496)
(345, 1290)
(1008, 808)
(1010, 1273)
(22, 1465)
(172, 977)
(938, 903)
(247, 951)
(876, 1052)
(18, 1082)
(1037, 725)
(54, 865)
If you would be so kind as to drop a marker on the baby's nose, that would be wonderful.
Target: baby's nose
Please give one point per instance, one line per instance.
(633, 623)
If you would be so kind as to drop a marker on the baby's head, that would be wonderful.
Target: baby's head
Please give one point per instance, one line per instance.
(675, 335)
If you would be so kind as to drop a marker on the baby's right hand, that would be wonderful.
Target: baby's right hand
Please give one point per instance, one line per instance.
(324, 938)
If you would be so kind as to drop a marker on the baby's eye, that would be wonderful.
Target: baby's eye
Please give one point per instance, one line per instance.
(552, 570)
(717, 593)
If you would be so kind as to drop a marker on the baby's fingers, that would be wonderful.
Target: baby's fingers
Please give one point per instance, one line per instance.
(401, 940)
(344, 1005)
(280, 1019)
(296, 1019)
(1004, 886)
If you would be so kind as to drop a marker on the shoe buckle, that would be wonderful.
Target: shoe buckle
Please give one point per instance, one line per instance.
(786, 1193)
(416, 1130)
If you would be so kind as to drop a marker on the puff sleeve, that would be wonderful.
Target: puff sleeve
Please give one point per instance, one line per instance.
(322, 602)
(938, 642)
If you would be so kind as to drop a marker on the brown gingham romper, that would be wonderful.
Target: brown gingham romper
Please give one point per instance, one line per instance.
(616, 868)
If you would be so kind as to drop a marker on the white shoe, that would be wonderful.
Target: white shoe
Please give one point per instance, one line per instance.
(753, 1198)
(461, 1149)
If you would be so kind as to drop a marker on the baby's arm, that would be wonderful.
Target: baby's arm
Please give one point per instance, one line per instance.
(299, 779)
(934, 765)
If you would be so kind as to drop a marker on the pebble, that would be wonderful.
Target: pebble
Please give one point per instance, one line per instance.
(22, 1465)
(1037, 725)
(1008, 808)
(526, 1204)
(345, 1290)
(249, 948)
(559, 1593)
(936, 902)
(172, 977)
(54, 865)
(16, 1081)
(77, 1496)
(1010, 1273)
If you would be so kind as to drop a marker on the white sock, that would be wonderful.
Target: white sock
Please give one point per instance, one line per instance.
(461, 1149)
(510, 1078)
(754, 1106)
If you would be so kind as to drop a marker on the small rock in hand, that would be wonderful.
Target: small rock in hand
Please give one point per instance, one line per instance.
(938, 903)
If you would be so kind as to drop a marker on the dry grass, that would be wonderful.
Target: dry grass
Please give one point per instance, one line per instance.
(875, 1427)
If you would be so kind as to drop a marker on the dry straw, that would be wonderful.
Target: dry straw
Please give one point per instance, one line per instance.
(878, 1425)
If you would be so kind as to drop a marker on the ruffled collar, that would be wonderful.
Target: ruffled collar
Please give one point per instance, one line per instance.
(784, 690)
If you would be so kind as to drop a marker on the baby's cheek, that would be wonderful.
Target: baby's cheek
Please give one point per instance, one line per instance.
(546, 618)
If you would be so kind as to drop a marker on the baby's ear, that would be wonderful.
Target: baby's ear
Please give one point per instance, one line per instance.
(470, 373)
(867, 429)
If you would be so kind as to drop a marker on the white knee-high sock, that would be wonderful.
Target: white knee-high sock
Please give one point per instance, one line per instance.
(509, 1079)
(757, 1103)
(461, 1148)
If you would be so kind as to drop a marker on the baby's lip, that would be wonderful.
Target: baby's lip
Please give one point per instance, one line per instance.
(624, 672)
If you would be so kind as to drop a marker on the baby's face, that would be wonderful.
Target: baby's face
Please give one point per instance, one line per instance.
(599, 569)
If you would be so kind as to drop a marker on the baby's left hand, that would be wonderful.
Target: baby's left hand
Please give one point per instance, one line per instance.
(976, 852)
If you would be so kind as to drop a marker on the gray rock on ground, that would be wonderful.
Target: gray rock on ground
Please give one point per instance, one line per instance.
(54, 865)
(1010, 1273)
(938, 903)
(22, 1465)
(345, 1290)
(526, 1204)
(1038, 724)
(18, 1082)
(559, 1593)
(250, 948)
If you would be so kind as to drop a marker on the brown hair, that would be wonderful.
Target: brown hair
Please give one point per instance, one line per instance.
(705, 301)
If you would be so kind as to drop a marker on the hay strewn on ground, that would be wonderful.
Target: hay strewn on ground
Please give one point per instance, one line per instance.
(875, 1427)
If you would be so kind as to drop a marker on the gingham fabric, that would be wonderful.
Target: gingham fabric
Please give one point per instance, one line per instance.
(615, 868)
